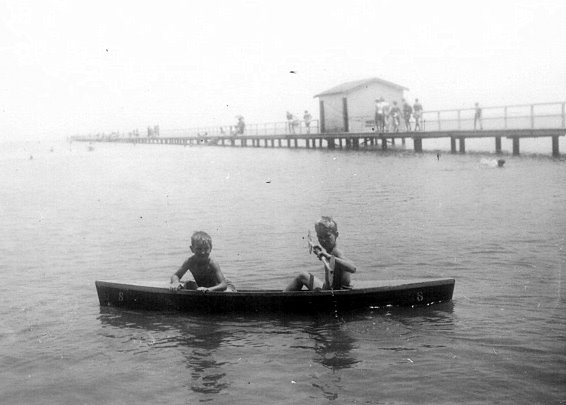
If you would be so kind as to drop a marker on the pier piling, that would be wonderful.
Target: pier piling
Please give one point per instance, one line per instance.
(462, 145)
(498, 145)
(452, 144)
(515, 146)
(555, 148)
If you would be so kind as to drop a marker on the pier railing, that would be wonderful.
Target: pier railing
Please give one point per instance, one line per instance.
(521, 116)
(298, 127)
(542, 120)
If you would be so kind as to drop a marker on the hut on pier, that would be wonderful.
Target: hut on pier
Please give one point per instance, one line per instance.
(350, 107)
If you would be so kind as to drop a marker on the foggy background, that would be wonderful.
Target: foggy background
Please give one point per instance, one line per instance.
(73, 68)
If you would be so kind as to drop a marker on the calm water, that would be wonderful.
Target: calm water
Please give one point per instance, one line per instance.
(69, 217)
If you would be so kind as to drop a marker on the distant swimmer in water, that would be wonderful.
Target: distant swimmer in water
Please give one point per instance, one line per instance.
(437, 155)
(492, 162)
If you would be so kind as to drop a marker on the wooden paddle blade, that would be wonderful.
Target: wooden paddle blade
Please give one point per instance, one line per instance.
(332, 263)
(310, 242)
(330, 274)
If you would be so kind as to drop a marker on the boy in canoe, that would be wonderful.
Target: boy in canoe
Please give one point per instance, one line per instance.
(204, 269)
(334, 261)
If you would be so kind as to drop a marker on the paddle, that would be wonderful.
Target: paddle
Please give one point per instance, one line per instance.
(328, 266)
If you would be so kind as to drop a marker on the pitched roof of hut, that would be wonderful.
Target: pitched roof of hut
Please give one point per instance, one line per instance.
(351, 86)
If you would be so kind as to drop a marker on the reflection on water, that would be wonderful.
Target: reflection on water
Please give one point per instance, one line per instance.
(332, 345)
(196, 338)
(201, 343)
(439, 316)
(199, 340)
(199, 351)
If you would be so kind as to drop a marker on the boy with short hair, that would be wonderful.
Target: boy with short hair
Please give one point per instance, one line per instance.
(206, 272)
(326, 232)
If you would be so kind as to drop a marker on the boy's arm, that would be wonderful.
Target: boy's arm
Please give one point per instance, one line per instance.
(221, 281)
(175, 283)
(344, 263)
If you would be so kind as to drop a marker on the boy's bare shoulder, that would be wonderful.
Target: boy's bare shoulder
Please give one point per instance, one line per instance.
(213, 264)
(337, 252)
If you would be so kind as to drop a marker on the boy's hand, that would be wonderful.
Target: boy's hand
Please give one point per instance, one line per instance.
(320, 252)
(203, 289)
(175, 286)
(317, 249)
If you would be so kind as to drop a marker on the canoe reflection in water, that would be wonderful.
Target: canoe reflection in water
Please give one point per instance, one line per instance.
(332, 345)
(207, 376)
(219, 354)
(213, 346)
(194, 339)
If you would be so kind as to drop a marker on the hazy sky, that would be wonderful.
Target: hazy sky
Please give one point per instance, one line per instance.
(79, 67)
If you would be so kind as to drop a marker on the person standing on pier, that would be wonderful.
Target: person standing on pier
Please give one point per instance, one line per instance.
(379, 118)
(395, 115)
(407, 112)
(386, 116)
(290, 126)
(307, 118)
(240, 126)
(418, 114)
(477, 117)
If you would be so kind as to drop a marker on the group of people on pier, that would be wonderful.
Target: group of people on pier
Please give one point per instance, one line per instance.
(238, 129)
(293, 123)
(388, 116)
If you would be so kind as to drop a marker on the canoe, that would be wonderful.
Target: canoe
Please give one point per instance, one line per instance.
(157, 296)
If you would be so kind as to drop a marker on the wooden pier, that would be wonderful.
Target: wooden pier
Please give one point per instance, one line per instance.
(351, 140)
(514, 122)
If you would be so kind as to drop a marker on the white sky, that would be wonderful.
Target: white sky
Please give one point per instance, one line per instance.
(79, 67)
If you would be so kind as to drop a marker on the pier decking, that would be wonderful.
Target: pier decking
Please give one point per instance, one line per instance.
(352, 140)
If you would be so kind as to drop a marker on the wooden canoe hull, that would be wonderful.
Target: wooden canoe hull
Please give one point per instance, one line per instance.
(156, 296)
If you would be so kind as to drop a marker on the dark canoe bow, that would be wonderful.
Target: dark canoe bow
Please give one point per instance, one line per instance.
(157, 296)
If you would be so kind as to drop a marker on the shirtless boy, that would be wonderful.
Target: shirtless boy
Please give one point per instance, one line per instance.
(206, 272)
(326, 232)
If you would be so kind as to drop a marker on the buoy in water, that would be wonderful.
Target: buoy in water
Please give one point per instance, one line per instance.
(500, 162)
